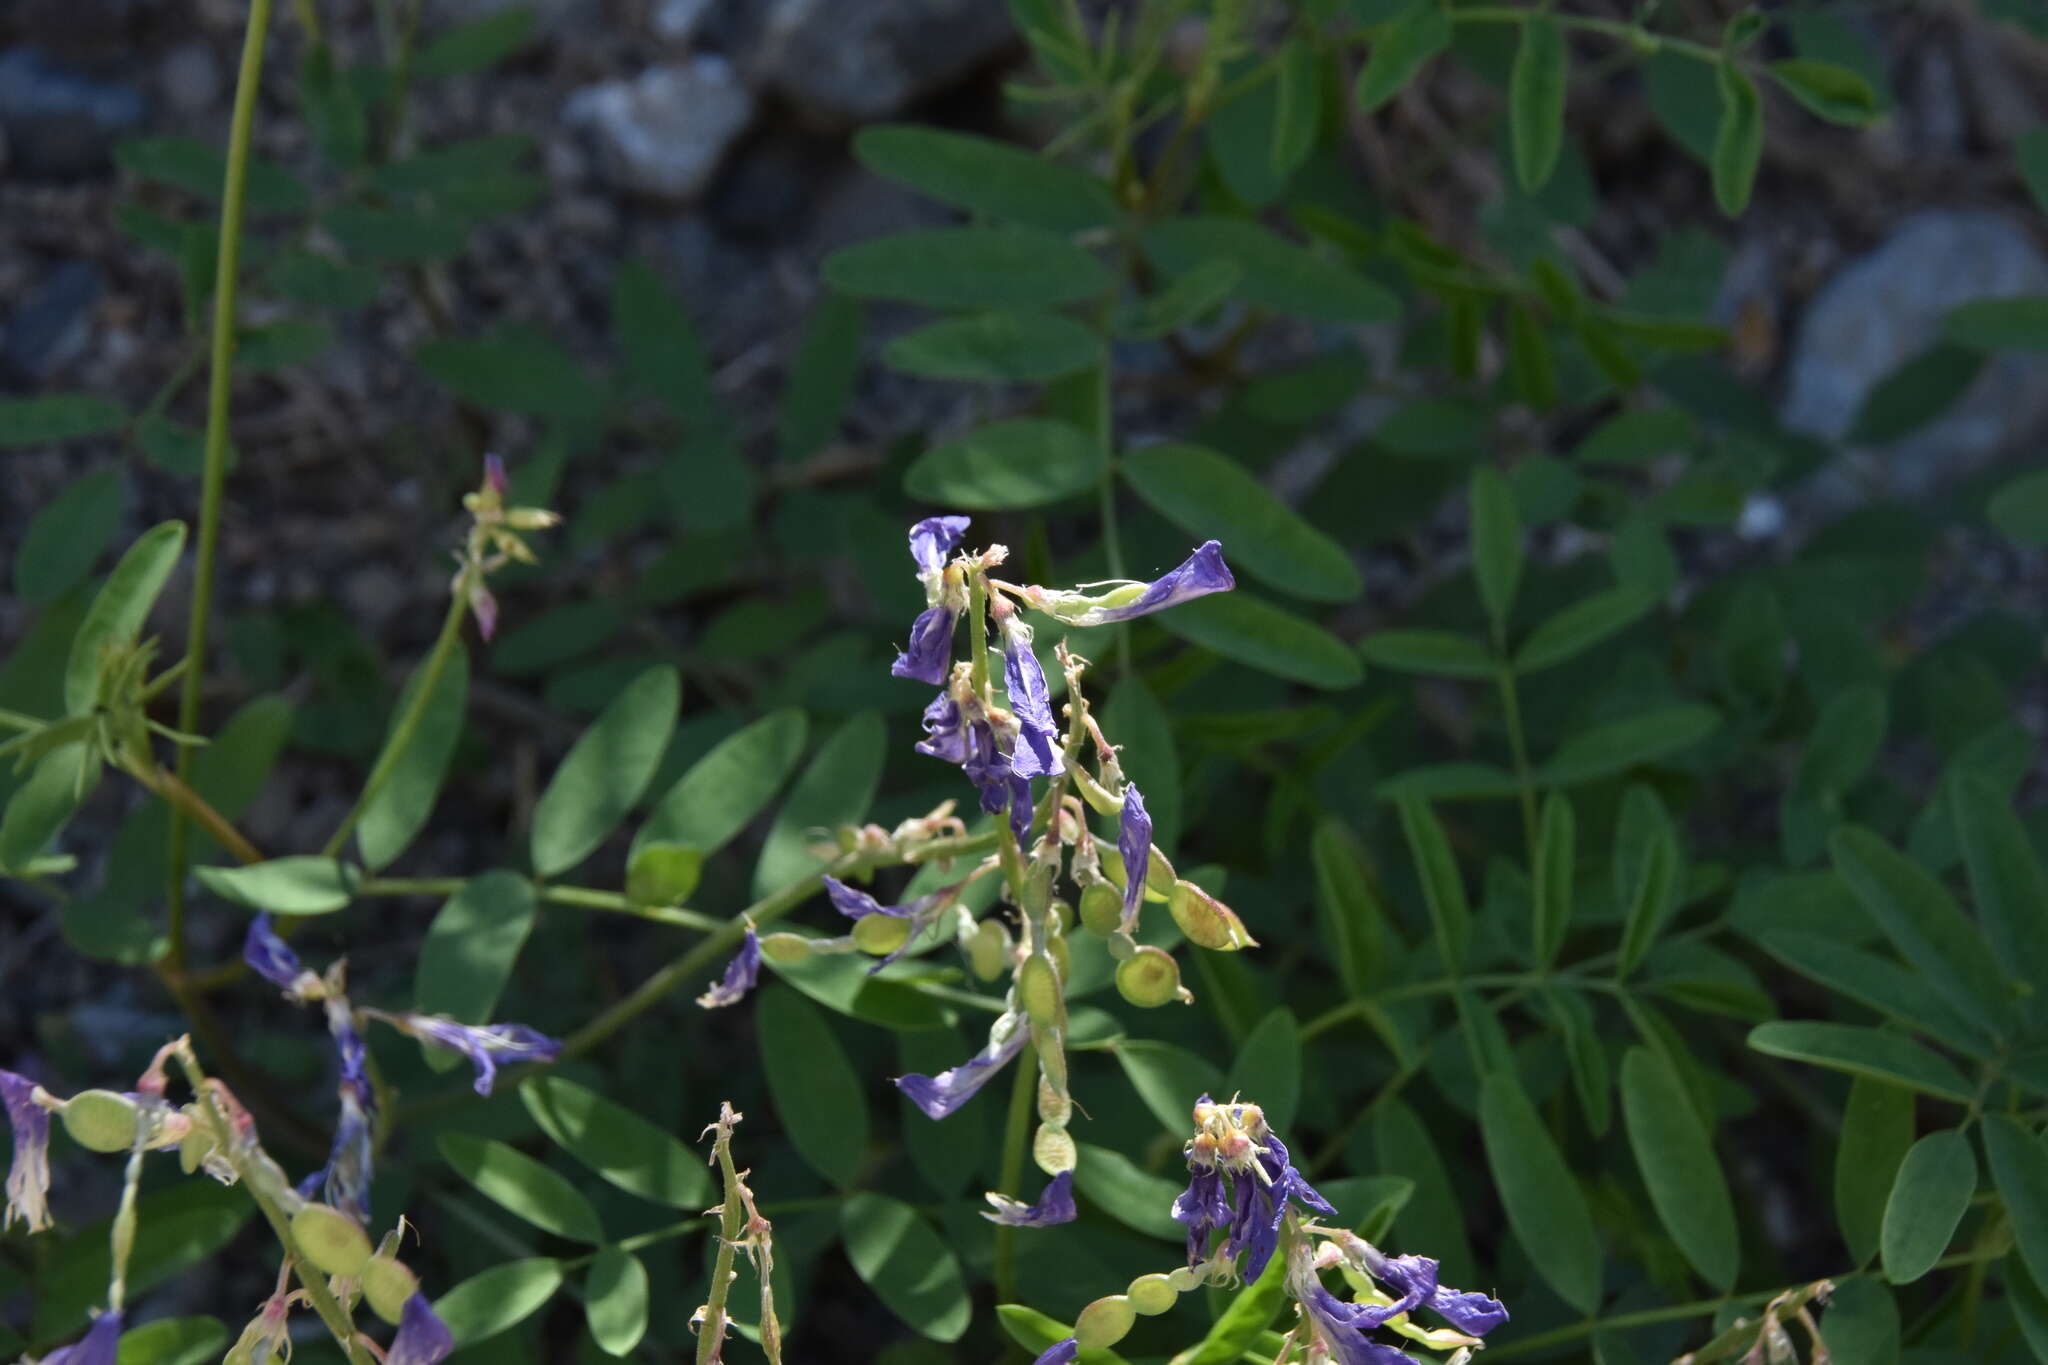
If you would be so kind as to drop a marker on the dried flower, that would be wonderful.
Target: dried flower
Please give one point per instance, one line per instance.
(940, 1095)
(1055, 1205)
(1200, 574)
(740, 975)
(423, 1339)
(488, 1046)
(28, 1176)
(1134, 842)
(1038, 740)
(1233, 1140)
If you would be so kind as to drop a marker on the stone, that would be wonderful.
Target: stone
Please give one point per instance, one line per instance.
(1885, 308)
(190, 78)
(676, 21)
(857, 63)
(51, 325)
(61, 124)
(663, 132)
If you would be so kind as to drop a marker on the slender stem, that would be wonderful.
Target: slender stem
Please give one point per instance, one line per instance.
(408, 722)
(582, 897)
(1518, 744)
(1443, 985)
(977, 634)
(1633, 34)
(15, 720)
(185, 800)
(227, 266)
(331, 1312)
(1016, 1135)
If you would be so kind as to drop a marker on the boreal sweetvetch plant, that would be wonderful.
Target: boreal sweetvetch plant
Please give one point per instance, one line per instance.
(1649, 946)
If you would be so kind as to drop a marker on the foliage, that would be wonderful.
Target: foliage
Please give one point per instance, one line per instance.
(1605, 930)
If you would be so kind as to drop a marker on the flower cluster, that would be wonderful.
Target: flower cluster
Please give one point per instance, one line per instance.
(494, 541)
(1240, 1180)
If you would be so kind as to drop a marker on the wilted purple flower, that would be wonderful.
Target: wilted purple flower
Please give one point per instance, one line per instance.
(1414, 1279)
(100, 1345)
(488, 1046)
(930, 655)
(740, 975)
(494, 475)
(1201, 1207)
(1343, 1327)
(1134, 842)
(1200, 574)
(1055, 1205)
(855, 903)
(940, 1095)
(945, 738)
(1060, 1353)
(423, 1339)
(269, 955)
(28, 1177)
(932, 539)
(1002, 787)
(345, 1180)
(484, 607)
(1234, 1140)
(1038, 738)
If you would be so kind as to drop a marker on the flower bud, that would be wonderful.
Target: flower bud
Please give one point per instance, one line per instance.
(387, 1284)
(1152, 1294)
(1104, 1322)
(785, 948)
(331, 1239)
(1207, 922)
(1053, 1149)
(1148, 978)
(1102, 909)
(102, 1121)
(1038, 989)
(988, 953)
(880, 935)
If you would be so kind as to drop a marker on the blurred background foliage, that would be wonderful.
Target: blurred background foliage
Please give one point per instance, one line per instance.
(1622, 423)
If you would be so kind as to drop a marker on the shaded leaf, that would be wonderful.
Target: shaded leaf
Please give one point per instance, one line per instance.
(1877, 1128)
(1260, 635)
(472, 945)
(1738, 139)
(1544, 1204)
(1399, 51)
(1442, 887)
(299, 885)
(968, 267)
(723, 791)
(913, 1272)
(1927, 1203)
(637, 1156)
(119, 610)
(521, 1186)
(1536, 94)
(1273, 272)
(1212, 497)
(818, 1096)
(399, 810)
(615, 1300)
(497, 1299)
(1013, 464)
(1440, 653)
(834, 790)
(1015, 346)
(1676, 1155)
(1580, 626)
(68, 536)
(2001, 324)
(1831, 92)
(1617, 746)
(985, 176)
(1862, 1051)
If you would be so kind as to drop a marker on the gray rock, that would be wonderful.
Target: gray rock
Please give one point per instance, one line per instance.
(1884, 308)
(51, 325)
(858, 62)
(663, 132)
(190, 78)
(59, 123)
(676, 21)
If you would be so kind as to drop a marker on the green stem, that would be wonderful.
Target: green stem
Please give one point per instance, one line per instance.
(15, 720)
(1635, 35)
(582, 897)
(1016, 1136)
(1518, 744)
(408, 723)
(331, 1312)
(227, 265)
(1444, 985)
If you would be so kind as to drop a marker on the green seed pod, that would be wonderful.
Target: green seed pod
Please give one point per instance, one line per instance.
(387, 1284)
(1148, 978)
(1152, 1294)
(1102, 908)
(1063, 912)
(1053, 1149)
(1038, 989)
(198, 1143)
(989, 951)
(1207, 922)
(1062, 957)
(102, 1121)
(1104, 1322)
(785, 947)
(331, 1239)
(880, 935)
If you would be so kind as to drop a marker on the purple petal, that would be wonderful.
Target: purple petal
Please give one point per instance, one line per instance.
(28, 1175)
(1201, 1208)
(1055, 1205)
(932, 539)
(930, 655)
(740, 975)
(1200, 574)
(940, 1095)
(494, 475)
(944, 738)
(1038, 741)
(488, 1046)
(1343, 1326)
(270, 956)
(1469, 1311)
(1134, 841)
(855, 903)
(1060, 1353)
(1414, 1278)
(345, 1180)
(423, 1339)
(100, 1345)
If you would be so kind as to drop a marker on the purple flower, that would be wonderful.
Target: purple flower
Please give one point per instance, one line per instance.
(423, 1339)
(1233, 1140)
(28, 1177)
(1055, 1205)
(944, 736)
(1060, 1353)
(269, 955)
(488, 1046)
(932, 539)
(1038, 740)
(1344, 1327)
(940, 1095)
(740, 975)
(1414, 1278)
(345, 1180)
(1200, 574)
(930, 655)
(494, 475)
(855, 903)
(1134, 841)
(99, 1346)
(1201, 1207)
